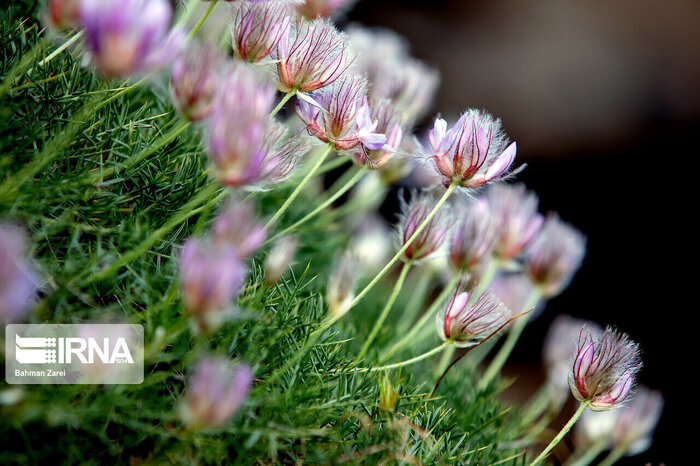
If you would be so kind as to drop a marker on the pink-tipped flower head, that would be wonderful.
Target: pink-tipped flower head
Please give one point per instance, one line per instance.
(344, 116)
(472, 237)
(413, 213)
(514, 210)
(211, 276)
(388, 123)
(467, 322)
(555, 256)
(310, 55)
(257, 28)
(637, 420)
(195, 75)
(64, 14)
(473, 152)
(341, 284)
(129, 36)
(237, 225)
(604, 369)
(19, 281)
(216, 390)
(323, 8)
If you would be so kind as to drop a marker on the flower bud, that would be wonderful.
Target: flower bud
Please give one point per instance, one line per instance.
(468, 323)
(194, 78)
(216, 390)
(279, 258)
(472, 238)
(604, 369)
(257, 28)
(19, 282)
(341, 284)
(414, 214)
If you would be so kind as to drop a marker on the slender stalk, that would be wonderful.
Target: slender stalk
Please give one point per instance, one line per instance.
(564, 430)
(445, 360)
(501, 357)
(193, 207)
(614, 456)
(400, 252)
(409, 337)
(415, 302)
(284, 100)
(407, 362)
(590, 454)
(351, 182)
(63, 47)
(299, 187)
(387, 307)
(203, 19)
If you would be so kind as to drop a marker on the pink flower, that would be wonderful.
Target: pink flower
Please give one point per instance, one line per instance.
(468, 323)
(473, 152)
(472, 237)
(19, 281)
(604, 370)
(238, 226)
(413, 214)
(64, 14)
(194, 78)
(257, 28)
(386, 122)
(637, 420)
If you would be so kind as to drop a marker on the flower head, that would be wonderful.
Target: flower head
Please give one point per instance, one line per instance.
(514, 210)
(386, 122)
(194, 78)
(341, 284)
(468, 323)
(216, 390)
(555, 256)
(279, 258)
(211, 275)
(64, 14)
(472, 237)
(323, 8)
(19, 281)
(237, 225)
(604, 369)
(637, 420)
(414, 214)
(344, 116)
(310, 55)
(129, 36)
(473, 152)
(257, 28)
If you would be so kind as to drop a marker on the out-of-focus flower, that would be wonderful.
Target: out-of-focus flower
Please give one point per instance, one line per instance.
(604, 369)
(393, 74)
(238, 226)
(637, 420)
(211, 275)
(194, 78)
(595, 427)
(467, 324)
(323, 8)
(387, 123)
(64, 14)
(514, 210)
(371, 243)
(473, 152)
(257, 28)
(472, 238)
(344, 116)
(341, 284)
(248, 147)
(310, 55)
(279, 258)
(559, 349)
(19, 282)
(555, 256)
(216, 390)
(413, 214)
(129, 36)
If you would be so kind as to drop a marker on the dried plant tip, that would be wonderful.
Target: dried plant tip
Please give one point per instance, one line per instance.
(194, 78)
(604, 369)
(413, 214)
(19, 281)
(472, 238)
(468, 323)
(341, 284)
(257, 28)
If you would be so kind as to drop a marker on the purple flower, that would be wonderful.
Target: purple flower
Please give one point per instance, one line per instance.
(637, 420)
(384, 120)
(129, 36)
(216, 390)
(555, 256)
(257, 28)
(473, 152)
(310, 55)
(344, 116)
(604, 369)
(514, 210)
(472, 237)
(323, 8)
(238, 226)
(468, 323)
(413, 214)
(194, 79)
(19, 281)
(211, 276)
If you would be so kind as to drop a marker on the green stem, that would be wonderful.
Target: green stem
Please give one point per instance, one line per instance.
(299, 187)
(387, 308)
(350, 183)
(614, 456)
(564, 430)
(406, 245)
(513, 336)
(415, 302)
(407, 362)
(445, 360)
(284, 100)
(203, 19)
(409, 337)
(590, 454)
(185, 212)
(63, 47)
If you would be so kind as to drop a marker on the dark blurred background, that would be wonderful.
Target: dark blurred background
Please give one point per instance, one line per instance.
(603, 99)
